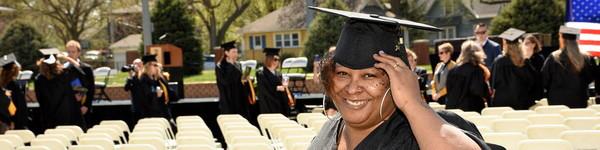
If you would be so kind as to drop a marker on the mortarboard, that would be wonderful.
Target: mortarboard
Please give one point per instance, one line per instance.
(568, 32)
(271, 51)
(7, 60)
(512, 34)
(363, 35)
(49, 55)
(148, 58)
(229, 45)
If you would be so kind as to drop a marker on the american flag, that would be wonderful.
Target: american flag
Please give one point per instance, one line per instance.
(585, 15)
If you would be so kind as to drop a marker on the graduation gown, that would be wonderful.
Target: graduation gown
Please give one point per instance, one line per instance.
(234, 95)
(144, 97)
(422, 79)
(271, 100)
(57, 101)
(395, 133)
(537, 62)
(4, 114)
(85, 73)
(564, 86)
(512, 84)
(467, 88)
(18, 97)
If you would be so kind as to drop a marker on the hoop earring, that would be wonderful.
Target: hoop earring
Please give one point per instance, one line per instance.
(325, 110)
(381, 105)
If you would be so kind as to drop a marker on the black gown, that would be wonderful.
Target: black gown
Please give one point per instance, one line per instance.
(235, 96)
(395, 133)
(512, 84)
(537, 62)
(565, 87)
(146, 100)
(423, 80)
(467, 88)
(18, 97)
(85, 73)
(5, 118)
(271, 100)
(57, 101)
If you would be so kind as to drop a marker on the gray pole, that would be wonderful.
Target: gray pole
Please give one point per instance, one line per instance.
(406, 38)
(146, 25)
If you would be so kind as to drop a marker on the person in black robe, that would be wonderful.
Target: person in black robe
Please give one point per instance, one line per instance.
(235, 100)
(272, 94)
(377, 94)
(85, 73)
(8, 76)
(567, 73)
(150, 91)
(60, 103)
(5, 116)
(512, 76)
(134, 70)
(532, 49)
(467, 82)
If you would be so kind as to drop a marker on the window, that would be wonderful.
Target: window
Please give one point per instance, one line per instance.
(287, 40)
(257, 42)
(449, 6)
(447, 33)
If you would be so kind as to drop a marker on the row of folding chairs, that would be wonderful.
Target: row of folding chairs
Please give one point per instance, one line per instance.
(193, 133)
(313, 121)
(569, 139)
(286, 133)
(240, 134)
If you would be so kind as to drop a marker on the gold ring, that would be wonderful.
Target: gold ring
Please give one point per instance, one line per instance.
(396, 65)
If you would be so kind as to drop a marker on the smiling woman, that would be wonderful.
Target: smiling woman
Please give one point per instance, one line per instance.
(377, 95)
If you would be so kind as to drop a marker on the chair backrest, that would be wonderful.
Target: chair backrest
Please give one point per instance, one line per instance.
(14, 139)
(509, 140)
(300, 62)
(106, 144)
(287, 63)
(33, 148)
(195, 140)
(546, 119)
(52, 144)
(231, 134)
(578, 112)
(252, 146)
(157, 143)
(552, 109)
(72, 136)
(582, 139)
(162, 133)
(302, 118)
(582, 123)
(517, 114)
(102, 72)
(96, 135)
(114, 134)
(495, 111)
(136, 147)
(137, 135)
(195, 147)
(510, 125)
(290, 141)
(595, 107)
(250, 139)
(7, 144)
(25, 75)
(295, 132)
(76, 129)
(25, 135)
(86, 147)
(545, 131)
(544, 144)
(483, 120)
(119, 123)
(468, 114)
(65, 141)
(193, 134)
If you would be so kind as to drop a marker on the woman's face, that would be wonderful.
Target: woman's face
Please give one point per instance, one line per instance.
(232, 54)
(528, 45)
(358, 95)
(152, 68)
(444, 55)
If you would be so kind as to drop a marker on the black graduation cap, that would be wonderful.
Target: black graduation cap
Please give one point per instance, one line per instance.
(229, 45)
(7, 60)
(271, 51)
(366, 34)
(568, 32)
(512, 34)
(49, 55)
(148, 58)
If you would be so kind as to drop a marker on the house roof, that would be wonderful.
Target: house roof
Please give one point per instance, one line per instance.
(484, 10)
(283, 19)
(131, 42)
(2, 8)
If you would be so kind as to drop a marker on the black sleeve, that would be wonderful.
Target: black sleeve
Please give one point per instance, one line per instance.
(90, 84)
(478, 85)
(467, 127)
(547, 73)
(266, 88)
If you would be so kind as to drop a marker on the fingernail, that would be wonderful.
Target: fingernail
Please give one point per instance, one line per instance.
(381, 52)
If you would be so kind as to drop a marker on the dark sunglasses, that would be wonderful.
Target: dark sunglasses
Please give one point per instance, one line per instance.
(481, 32)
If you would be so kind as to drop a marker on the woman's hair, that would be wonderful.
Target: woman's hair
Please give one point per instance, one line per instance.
(470, 52)
(9, 74)
(327, 70)
(513, 51)
(50, 70)
(412, 54)
(574, 57)
(74, 43)
(146, 71)
(446, 47)
(531, 38)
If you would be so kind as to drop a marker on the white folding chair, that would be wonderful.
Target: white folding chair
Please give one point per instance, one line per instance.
(156, 142)
(510, 125)
(509, 140)
(7, 144)
(546, 131)
(52, 144)
(137, 147)
(33, 148)
(578, 112)
(517, 114)
(106, 144)
(195, 147)
(14, 139)
(25, 135)
(551, 109)
(544, 144)
(495, 111)
(85, 147)
(582, 139)
(582, 123)
(546, 119)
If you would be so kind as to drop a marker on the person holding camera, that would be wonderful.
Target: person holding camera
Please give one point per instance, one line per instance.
(134, 70)
(150, 95)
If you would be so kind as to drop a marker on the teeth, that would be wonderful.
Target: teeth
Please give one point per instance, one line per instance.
(356, 103)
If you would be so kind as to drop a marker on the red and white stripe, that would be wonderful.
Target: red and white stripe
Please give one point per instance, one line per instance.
(589, 37)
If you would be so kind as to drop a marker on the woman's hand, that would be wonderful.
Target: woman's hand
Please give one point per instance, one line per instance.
(403, 82)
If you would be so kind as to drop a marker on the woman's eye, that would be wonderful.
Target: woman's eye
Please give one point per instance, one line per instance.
(369, 75)
(342, 74)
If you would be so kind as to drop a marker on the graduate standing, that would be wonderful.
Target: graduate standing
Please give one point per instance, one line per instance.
(512, 77)
(467, 82)
(272, 93)
(234, 97)
(57, 92)
(567, 72)
(150, 91)
(17, 105)
(85, 74)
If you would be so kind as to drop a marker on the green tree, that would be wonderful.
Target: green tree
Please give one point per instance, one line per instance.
(413, 11)
(24, 41)
(324, 31)
(543, 16)
(172, 17)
